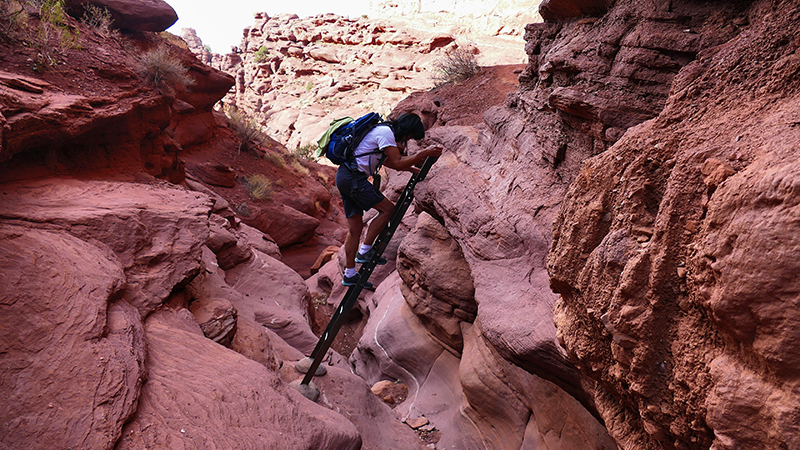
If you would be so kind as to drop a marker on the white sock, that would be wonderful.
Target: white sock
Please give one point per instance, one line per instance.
(365, 248)
(350, 272)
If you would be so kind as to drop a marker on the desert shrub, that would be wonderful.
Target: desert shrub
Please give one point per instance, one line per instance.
(246, 128)
(163, 70)
(262, 54)
(258, 186)
(319, 298)
(100, 20)
(307, 151)
(53, 32)
(455, 67)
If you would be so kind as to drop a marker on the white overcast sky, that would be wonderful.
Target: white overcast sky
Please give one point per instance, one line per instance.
(220, 23)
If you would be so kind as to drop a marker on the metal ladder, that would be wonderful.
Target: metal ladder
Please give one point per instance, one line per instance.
(365, 272)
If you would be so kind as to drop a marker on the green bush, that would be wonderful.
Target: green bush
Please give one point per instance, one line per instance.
(53, 33)
(162, 70)
(259, 186)
(457, 66)
(307, 152)
(262, 54)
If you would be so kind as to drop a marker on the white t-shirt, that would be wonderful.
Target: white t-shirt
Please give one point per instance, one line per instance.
(379, 137)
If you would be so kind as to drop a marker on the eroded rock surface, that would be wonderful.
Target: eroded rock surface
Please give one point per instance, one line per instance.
(141, 15)
(73, 357)
(671, 253)
(140, 312)
(295, 75)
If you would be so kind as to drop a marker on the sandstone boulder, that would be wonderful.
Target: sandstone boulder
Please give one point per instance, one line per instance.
(287, 225)
(156, 231)
(276, 297)
(222, 397)
(69, 353)
(141, 15)
(207, 292)
(391, 392)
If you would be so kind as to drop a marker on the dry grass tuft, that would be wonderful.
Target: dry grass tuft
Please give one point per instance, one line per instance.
(162, 70)
(259, 186)
(457, 66)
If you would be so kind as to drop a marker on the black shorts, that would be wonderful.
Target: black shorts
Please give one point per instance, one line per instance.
(358, 194)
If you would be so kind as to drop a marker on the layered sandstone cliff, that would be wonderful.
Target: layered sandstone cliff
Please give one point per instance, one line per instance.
(477, 19)
(674, 253)
(295, 75)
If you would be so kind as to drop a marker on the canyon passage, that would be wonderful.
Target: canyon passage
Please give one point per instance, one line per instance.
(603, 257)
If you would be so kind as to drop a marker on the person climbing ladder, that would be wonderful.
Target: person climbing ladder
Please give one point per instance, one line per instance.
(310, 365)
(384, 144)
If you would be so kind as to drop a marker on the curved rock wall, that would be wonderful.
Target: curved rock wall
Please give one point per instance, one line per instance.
(644, 171)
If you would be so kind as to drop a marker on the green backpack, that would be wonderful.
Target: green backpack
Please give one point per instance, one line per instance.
(322, 143)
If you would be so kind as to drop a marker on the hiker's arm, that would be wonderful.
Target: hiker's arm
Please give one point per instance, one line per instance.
(396, 161)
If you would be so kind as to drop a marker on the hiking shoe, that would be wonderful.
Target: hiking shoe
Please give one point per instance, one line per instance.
(352, 281)
(361, 258)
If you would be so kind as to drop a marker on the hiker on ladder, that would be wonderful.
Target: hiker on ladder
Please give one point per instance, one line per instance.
(384, 144)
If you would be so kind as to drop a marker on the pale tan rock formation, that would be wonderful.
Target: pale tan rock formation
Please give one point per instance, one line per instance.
(478, 20)
(295, 75)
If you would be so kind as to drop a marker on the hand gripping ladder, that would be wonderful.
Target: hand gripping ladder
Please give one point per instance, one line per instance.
(364, 273)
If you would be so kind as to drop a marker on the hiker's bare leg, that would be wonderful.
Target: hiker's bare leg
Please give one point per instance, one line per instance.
(354, 226)
(385, 209)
